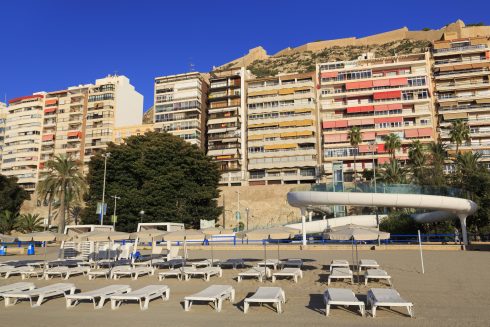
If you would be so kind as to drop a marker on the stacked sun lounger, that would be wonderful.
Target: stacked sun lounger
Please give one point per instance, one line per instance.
(214, 293)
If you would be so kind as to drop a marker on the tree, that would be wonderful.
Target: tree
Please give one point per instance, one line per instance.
(355, 137)
(8, 220)
(437, 159)
(64, 181)
(11, 194)
(392, 144)
(28, 223)
(168, 178)
(416, 155)
(459, 133)
(393, 173)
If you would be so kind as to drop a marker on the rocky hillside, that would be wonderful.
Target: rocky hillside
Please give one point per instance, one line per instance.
(305, 61)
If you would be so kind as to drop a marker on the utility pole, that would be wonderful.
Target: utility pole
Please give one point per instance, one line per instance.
(115, 197)
(107, 155)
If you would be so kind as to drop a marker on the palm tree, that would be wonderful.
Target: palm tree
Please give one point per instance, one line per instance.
(355, 137)
(392, 144)
(28, 223)
(393, 173)
(63, 180)
(438, 156)
(7, 221)
(416, 154)
(459, 133)
(468, 162)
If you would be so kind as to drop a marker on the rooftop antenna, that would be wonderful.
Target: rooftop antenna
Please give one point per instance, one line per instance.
(192, 67)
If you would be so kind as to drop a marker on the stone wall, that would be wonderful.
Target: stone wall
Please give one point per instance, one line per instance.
(267, 205)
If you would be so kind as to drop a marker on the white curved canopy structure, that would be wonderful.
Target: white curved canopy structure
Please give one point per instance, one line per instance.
(458, 206)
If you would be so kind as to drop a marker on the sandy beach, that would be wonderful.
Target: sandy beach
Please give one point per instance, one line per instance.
(454, 291)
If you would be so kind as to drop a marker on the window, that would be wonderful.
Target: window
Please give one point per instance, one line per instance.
(101, 97)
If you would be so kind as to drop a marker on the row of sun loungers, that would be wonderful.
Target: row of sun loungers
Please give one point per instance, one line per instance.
(216, 294)
(340, 269)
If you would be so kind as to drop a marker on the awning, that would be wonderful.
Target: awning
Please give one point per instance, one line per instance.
(388, 120)
(223, 152)
(328, 124)
(47, 137)
(279, 146)
(286, 91)
(483, 101)
(360, 109)
(411, 133)
(449, 103)
(262, 125)
(255, 137)
(398, 81)
(289, 134)
(368, 136)
(304, 133)
(268, 92)
(446, 68)
(48, 110)
(381, 148)
(364, 148)
(331, 138)
(329, 74)
(224, 157)
(459, 115)
(423, 132)
(298, 89)
(395, 106)
(465, 66)
(382, 82)
(341, 123)
(383, 160)
(74, 134)
(387, 95)
(50, 101)
(288, 123)
(306, 122)
(302, 110)
(381, 107)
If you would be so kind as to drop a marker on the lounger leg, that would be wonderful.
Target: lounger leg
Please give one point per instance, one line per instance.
(245, 307)
(39, 301)
(145, 304)
(69, 303)
(295, 278)
(365, 280)
(187, 305)
(373, 311)
(239, 279)
(327, 310)
(279, 307)
(362, 309)
(389, 281)
(273, 278)
(113, 304)
(166, 295)
(101, 302)
(232, 296)
(218, 305)
(328, 282)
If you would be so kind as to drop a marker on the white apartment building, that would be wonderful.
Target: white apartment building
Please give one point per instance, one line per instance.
(180, 106)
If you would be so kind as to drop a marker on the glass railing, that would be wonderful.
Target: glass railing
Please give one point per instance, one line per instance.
(367, 187)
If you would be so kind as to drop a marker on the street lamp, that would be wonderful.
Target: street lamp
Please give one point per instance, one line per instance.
(106, 155)
(115, 197)
(142, 213)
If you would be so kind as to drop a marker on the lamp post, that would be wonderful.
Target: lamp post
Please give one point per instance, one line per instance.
(373, 146)
(247, 211)
(142, 213)
(115, 197)
(106, 155)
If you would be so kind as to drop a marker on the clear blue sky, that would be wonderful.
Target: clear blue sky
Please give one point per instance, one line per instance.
(52, 44)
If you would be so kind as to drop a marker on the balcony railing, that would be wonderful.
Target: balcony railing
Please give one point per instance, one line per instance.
(463, 48)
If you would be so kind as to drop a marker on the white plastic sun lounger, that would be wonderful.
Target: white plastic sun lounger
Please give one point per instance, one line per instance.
(339, 264)
(39, 293)
(269, 263)
(170, 263)
(340, 273)
(39, 273)
(206, 273)
(101, 293)
(134, 273)
(387, 297)
(298, 263)
(255, 272)
(295, 273)
(15, 287)
(143, 296)
(204, 263)
(8, 271)
(367, 264)
(102, 272)
(341, 296)
(169, 273)
(214, 293)
(274, 295)
(64, 271)
(376, 274)
(63, 262)
(234, 263)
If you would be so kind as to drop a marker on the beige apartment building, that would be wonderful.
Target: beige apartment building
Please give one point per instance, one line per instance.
(123, 132)
(3, 118)
(461, 73)
(22, 145)
(180, 106)
(380, 96)
(282, 130)
(226, 124)
(77, 122)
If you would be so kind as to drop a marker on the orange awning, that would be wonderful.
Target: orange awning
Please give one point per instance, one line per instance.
(48, 110)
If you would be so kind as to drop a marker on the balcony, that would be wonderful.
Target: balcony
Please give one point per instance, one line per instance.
(468, 48)
(462, 86)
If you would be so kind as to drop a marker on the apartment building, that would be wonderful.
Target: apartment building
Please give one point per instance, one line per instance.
(22, 143)
(77, 122)
(3, 118)
(123, 132)
(380, 96)
(112, 102)
(180, 106)
(461, 73)
(226, 124)
(282, 130)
